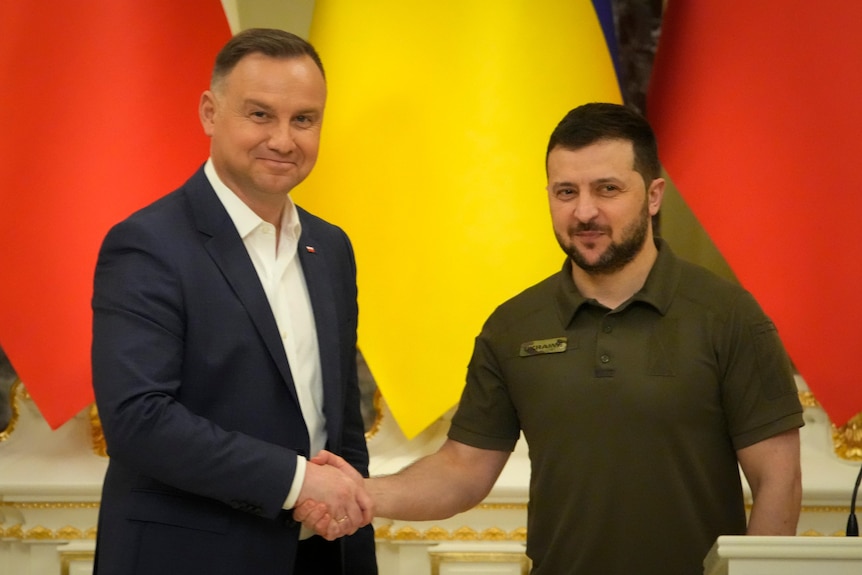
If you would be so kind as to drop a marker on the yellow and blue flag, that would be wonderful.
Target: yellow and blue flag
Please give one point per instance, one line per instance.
(433, 161)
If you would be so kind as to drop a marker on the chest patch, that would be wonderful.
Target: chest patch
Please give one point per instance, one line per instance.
(540, 346)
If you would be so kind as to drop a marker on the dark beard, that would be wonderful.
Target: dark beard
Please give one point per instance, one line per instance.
(617, 256)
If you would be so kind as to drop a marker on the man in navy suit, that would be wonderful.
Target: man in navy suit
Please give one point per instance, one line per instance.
(224, 346)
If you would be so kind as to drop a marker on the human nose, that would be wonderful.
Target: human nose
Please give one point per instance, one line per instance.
(585, 208)
(281, 138)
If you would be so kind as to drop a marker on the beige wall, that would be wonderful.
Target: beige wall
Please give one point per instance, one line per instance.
(291, 15)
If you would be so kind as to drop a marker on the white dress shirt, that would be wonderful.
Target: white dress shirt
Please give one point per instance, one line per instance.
(277, 264)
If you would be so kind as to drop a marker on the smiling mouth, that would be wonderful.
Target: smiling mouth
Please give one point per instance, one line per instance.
(277, 163)
(587, 235)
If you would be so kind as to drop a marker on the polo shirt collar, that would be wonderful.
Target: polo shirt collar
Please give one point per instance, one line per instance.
(662, 281)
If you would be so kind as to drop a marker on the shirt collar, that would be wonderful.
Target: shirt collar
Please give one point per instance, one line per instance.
(663, 279)
(658, 290)
(245, 220)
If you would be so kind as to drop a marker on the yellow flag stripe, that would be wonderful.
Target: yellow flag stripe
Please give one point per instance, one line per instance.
(432, 160)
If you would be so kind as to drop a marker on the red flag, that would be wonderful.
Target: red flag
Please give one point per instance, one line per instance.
(755, 105)
(98, 105)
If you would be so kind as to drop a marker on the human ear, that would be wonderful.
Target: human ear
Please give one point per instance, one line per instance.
(207, 112)
(655, 195)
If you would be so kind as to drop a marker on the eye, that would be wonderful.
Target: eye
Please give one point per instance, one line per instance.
(609, 189)
(259, 115)
(304, 120)
(565, 193)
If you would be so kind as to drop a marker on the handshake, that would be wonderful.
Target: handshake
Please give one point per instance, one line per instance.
(333, 501)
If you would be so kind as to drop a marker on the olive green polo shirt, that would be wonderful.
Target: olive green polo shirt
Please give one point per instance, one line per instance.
(632, 416)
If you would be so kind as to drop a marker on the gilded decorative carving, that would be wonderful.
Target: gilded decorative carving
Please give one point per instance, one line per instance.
(407, 534)
(493, 534)
(42, 533)
(69, 532)
(98, 436)
(825, 509)
(378, 415)
(382, 533)
(437, 533)
(51, 504)
(503, 506)
(39, 533)
(465, 534)
(14, 391)
(846, 439)
(519, 534)
(807, 399)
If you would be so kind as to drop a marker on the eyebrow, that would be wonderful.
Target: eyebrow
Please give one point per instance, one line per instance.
(268, 108)
(608, 180)
(258, 103)
(603, 180)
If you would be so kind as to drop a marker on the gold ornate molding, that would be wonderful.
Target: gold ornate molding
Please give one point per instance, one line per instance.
(502, 506)
(807, 399)
(378, 415)
(384, 533)
(50, 504)
(42, 533)
(97, 435)
(846, 439)
(823, 509)
(437, 533)
(12, 532)
(17, 388)
(408, 533)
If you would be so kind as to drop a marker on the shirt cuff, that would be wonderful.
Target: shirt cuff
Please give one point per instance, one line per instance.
(296, 486)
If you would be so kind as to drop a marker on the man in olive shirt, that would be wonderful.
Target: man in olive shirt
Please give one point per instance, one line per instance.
(641, 383)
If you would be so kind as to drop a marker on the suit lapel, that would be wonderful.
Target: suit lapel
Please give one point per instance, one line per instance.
(315, 260)
(229, 253)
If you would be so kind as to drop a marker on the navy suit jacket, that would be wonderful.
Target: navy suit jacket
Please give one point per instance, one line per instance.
(199, 409)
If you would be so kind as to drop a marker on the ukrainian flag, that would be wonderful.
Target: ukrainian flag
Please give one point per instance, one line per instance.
(433, 161)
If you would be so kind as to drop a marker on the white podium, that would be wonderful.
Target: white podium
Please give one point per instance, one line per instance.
(750, 555)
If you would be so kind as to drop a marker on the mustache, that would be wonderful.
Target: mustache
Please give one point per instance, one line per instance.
(588, 227)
